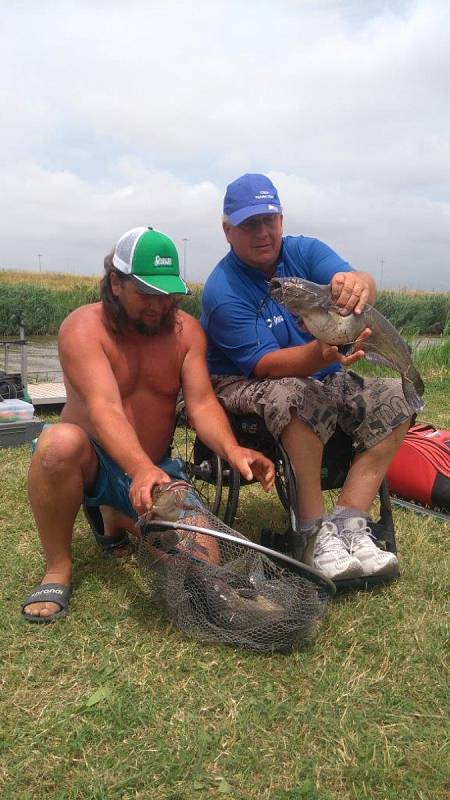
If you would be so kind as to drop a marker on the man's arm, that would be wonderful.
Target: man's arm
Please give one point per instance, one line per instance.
(88, 369)
(209, 419)
(305, 360)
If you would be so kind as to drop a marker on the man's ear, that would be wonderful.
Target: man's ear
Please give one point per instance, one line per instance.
(114, 283)
(226, 228)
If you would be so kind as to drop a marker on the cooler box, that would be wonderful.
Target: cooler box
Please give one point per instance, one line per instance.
(15, 410)
(17, 424)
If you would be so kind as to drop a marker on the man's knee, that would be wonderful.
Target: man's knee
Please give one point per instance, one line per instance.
(62, 446)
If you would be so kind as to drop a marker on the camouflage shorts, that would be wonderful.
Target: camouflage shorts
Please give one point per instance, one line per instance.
(367, 409)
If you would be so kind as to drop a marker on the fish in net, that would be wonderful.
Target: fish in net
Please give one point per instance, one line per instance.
(218, 586)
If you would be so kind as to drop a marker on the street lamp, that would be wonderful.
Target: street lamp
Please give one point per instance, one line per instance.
(185, 241)
(381, 272)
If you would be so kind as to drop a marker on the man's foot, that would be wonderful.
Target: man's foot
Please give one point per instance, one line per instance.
(113, 541)
(359, 540)
(47, 603)
(330, 555)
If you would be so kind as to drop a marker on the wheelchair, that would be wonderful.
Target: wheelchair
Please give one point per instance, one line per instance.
(219, 485)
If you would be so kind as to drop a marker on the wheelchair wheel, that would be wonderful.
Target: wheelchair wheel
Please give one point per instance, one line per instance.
(282, 484)
(216, 483)
(285, 486)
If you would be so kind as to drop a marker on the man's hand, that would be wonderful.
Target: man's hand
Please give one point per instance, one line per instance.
(252, 464)
(331, 354)
(142, 485)
(351, 291)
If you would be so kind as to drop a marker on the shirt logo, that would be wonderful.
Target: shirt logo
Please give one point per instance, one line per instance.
(272, 321)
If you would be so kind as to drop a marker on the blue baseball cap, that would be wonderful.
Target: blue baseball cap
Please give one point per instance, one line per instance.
(249, 195)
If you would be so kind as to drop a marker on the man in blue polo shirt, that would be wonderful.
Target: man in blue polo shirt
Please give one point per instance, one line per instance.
(262, 362)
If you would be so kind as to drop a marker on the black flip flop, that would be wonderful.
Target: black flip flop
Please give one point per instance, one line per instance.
(58, 593)
(107, 543)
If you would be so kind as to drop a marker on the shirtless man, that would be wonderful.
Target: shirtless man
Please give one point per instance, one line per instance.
(124, 361)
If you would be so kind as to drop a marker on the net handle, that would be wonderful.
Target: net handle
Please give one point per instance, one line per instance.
(298, 567)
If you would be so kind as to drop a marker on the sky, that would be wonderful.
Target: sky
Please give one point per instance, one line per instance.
(120, 114)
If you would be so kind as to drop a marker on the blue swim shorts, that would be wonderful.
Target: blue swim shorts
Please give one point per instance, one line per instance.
(112, 484)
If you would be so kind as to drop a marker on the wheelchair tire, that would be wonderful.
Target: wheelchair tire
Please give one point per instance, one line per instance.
(286, 487)
(281, 484)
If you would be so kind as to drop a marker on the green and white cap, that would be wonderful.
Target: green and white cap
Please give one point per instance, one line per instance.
(151, 259)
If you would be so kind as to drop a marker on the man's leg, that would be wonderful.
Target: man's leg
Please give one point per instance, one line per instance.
(376, 414)
(368, 470)
(300, 413)
(63, 464)
(305, 451)
(359, 490)
(324, 549)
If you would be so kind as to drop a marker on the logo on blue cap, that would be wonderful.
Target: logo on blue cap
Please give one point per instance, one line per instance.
(249, 195)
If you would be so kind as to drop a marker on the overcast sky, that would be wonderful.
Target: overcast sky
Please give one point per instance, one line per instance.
(117, 114)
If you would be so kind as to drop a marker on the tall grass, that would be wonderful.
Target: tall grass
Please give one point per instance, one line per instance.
(416, 312)
(46, 298)
(431, 359)
(42, 309)
(61, 281)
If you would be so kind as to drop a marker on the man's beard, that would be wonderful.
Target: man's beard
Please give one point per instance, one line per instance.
(165, 323)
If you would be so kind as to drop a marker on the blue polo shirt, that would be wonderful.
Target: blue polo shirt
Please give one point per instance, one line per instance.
(241, 320)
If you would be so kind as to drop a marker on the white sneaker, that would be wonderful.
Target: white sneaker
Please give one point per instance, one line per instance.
(359, 539)
(330, 555)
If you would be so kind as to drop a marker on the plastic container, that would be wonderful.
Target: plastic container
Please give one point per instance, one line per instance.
(15, 411)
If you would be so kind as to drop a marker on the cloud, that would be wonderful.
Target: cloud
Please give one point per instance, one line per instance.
(141, 114)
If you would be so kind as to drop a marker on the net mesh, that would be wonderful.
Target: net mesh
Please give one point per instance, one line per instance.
(124, 248)
(221, 591)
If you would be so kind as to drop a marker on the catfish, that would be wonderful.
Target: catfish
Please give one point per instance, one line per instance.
(314, 304)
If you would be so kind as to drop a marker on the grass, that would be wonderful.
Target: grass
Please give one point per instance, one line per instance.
(59, 281)
(114, 701)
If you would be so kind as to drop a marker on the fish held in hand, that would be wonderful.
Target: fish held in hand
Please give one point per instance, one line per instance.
(314, 304)
(170, 501)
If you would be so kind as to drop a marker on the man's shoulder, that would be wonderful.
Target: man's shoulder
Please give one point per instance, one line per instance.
(186, 322)
(226, 284)
(218, 276)
(83, 320)
(300, 243)
(315, 259)
(91, 314)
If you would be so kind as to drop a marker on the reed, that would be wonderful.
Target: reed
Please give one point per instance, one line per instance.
(46, 298)
(431, 359)
(416, 312)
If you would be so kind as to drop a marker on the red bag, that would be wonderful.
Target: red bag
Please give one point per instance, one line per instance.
(420, 470)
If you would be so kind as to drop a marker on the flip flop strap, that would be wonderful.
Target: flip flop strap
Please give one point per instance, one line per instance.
(49, 593)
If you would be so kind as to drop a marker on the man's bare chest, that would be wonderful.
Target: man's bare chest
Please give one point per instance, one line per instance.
(151, 367)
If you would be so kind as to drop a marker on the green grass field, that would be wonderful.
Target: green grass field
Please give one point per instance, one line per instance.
(114, 702)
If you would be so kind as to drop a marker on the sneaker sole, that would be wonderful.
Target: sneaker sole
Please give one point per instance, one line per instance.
(352, 571)
(387, 571)
(364, 584)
